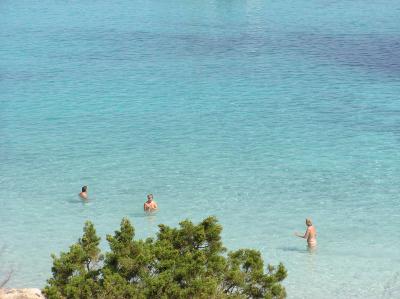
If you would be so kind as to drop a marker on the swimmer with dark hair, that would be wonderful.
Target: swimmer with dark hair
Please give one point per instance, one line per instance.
(84, 193)
(150, 205)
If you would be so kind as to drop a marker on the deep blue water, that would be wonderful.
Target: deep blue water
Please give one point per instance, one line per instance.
(262, 113)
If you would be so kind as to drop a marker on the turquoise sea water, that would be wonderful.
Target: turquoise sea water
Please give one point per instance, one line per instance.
(262, 113)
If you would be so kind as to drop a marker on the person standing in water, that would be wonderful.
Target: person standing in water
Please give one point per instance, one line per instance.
(310, 234)
(150, 205)
(84, 193)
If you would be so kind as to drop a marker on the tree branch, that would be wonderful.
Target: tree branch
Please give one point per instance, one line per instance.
(6, 279)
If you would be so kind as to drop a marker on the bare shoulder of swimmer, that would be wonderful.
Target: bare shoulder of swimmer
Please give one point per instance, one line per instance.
(84, 192)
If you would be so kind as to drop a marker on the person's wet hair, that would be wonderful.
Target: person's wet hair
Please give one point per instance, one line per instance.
(308, 222)
(84, 188)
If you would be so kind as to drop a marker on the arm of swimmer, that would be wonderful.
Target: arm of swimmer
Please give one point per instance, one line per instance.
(306, 233)
(305, 236)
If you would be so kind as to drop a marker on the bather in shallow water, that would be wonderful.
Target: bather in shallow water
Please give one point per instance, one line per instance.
(310, 234)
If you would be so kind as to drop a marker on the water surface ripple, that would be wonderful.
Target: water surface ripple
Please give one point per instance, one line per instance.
(262, 113)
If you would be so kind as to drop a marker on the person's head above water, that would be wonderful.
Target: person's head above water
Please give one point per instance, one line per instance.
(308, 222)
(84, 193)
(150, 205)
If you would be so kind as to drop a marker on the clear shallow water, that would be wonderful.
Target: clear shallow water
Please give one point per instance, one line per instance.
(261, 113)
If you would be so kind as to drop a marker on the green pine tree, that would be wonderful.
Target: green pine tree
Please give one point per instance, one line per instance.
(185, 262)
(76, 273)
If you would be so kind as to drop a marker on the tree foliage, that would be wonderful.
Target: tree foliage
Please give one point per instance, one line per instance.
(185, 262)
